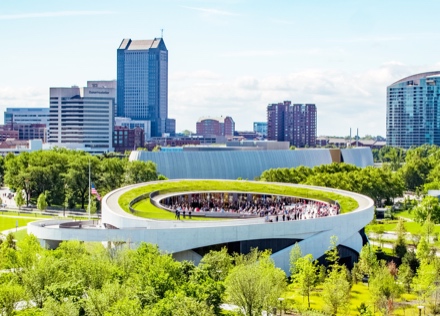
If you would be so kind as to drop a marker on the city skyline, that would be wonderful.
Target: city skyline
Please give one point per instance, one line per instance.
(228, 57)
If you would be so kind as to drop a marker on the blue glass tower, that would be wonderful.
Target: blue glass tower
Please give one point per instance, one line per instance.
(413, 111)
(142, 88)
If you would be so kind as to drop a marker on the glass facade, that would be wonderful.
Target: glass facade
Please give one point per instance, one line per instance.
(142, 88)
(413, 108)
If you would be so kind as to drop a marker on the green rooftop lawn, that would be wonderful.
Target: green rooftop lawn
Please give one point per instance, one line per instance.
(146, 209)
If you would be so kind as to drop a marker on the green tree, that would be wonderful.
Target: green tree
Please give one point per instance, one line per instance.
(179, 304)
(217, 263)
(108, 299)
(140, 171)
(368, 263)
(111, 174)
(19, 200)
(187, 132)
(66, 307)
(405, 276)
(336, 291)
(400, 247)
(429, 207)
(295, 254)
(77, 176)
(336, 288)
(41, 202)
(10, 296)
(384, 289)
(306, 275)
(255, 284)
(428, 228)
(423, 283)
(423, 252)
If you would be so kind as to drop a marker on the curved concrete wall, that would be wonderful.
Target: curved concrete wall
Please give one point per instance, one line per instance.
(182, 236)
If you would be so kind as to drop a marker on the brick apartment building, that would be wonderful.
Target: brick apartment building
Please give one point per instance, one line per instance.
(295, 123)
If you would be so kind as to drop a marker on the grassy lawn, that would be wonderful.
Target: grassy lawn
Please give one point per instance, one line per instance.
(10, 222)
(359, 294)
(411, 227)
(347, 204)
(405, 214)
(19, 235)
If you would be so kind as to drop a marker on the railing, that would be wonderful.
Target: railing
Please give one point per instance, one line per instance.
(77, 225)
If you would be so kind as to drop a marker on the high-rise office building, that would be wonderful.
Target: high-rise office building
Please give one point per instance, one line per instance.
(142, 88)
(413, 111)
(83, 118)
(296, 123)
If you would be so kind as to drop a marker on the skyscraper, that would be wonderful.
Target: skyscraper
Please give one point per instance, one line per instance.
(413, 111)
(296, 123)
(142, 88)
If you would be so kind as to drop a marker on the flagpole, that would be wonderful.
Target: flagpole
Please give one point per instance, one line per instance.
(89, 190)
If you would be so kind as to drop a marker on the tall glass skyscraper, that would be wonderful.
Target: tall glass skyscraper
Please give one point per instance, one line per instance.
(142, 88)
(413, 111)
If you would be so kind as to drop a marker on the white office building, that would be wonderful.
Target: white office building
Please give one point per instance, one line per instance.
(83, 118)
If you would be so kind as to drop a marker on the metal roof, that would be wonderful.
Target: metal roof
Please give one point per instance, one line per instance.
(129, 44)
(243, 164)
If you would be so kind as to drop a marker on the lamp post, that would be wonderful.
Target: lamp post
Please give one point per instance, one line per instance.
(281, 300)
(66, 201)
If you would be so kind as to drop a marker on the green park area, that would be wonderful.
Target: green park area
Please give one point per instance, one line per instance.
(145, 209)
(88, 279)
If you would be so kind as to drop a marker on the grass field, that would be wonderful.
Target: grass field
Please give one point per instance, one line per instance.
(411, 227)
(359, 294)
(7, 222)
(146, 209)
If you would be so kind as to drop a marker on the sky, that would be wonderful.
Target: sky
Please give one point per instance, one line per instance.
(228, 57)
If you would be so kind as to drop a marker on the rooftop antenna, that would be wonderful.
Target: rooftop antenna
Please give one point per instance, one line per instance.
(357, 137)
(161, 33)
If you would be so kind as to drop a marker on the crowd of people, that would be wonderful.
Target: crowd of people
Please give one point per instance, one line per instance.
(278, 209)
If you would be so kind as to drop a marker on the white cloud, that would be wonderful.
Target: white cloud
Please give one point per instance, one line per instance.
(11, 97)
(343, 99)
(51, 14)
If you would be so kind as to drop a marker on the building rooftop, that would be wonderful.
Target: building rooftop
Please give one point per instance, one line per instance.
(417, 77)
(139, 44)
(220, 119)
